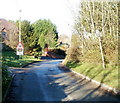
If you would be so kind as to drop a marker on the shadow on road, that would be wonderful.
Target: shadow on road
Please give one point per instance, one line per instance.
(48, 58)
(79, 89)
(46, 82)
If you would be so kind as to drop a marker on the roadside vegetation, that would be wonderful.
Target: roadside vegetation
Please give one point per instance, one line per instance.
(10, 59)
(94, 43)
(34, 37)
(94, 71)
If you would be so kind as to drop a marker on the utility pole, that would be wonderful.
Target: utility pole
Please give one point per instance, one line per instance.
(20, 31)
(20, 26)
(101, 49)
(101, 52)
(20, 47)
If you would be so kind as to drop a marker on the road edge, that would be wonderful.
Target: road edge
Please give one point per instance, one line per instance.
(13, 75)
(29, 64)
(113, 91)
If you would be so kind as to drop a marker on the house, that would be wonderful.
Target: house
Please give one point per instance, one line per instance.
(4, 34)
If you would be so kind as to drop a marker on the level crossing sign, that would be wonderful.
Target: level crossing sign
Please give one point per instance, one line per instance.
(20, 49)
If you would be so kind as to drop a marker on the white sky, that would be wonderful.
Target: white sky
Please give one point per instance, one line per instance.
(58, 11)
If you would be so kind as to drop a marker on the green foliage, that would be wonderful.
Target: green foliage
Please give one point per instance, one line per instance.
(6, 47)
(34, 36)
(27, 34)
(30, 41)
(102, 16)
(5, 78)
(45, 32)
(85, 46)
(5, 75)
(75, 51)
(10, 59)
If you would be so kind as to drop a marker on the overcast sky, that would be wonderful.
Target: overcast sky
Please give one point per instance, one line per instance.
(58, 11)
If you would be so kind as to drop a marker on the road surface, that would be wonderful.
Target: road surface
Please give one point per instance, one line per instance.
(44, 81)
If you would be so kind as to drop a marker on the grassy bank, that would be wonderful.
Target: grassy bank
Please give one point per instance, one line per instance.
(10, 59)
(108, 76)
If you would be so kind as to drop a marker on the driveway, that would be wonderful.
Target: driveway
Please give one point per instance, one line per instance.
(44, 81)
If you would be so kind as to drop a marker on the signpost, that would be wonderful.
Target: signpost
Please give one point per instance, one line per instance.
(99, 35)
(20, 49)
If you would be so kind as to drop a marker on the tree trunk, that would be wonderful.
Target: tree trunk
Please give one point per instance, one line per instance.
(92, 20)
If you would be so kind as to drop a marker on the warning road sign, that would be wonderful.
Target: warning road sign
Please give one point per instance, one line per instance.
(20, 49)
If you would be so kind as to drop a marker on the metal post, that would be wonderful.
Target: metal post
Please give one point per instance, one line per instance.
(103, 61)
(20, 26)
(20, 32)
(20, 57)
(98, 34)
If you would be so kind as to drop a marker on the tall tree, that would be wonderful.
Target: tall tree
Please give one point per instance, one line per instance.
(26, 34)
(45, 32)
(102, 17)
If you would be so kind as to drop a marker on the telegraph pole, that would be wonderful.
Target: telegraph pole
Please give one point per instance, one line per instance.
(101, 49)
(20, 26)
(103, 60)
(20, 30)
(20, 47)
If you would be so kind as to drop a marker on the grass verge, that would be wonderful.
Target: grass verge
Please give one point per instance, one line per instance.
(108, 76)
(10, 59)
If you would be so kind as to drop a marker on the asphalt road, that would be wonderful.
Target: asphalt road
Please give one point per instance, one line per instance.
(44, 81)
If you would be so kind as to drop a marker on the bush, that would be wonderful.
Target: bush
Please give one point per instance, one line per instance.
(6, 78)
(59, 52)
(6, 47)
